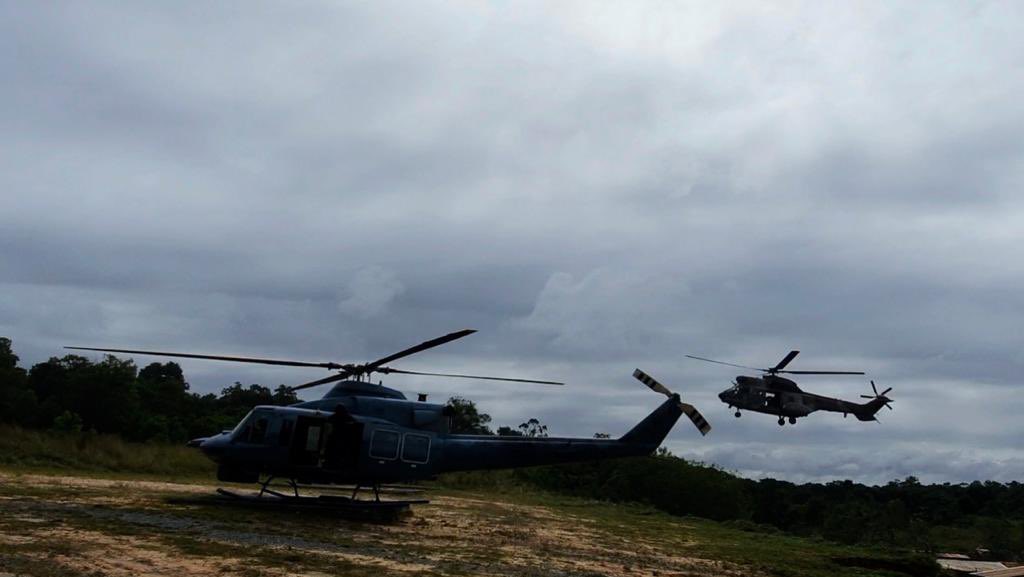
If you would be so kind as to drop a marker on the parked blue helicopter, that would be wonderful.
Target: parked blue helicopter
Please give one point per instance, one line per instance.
(366, 434)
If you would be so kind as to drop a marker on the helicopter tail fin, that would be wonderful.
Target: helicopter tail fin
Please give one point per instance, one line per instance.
(866, 412)
(655, 427)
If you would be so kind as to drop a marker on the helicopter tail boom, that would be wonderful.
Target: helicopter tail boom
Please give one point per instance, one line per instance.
(473, 452)
(866, 411)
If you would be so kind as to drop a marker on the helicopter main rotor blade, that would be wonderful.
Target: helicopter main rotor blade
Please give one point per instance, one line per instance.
(689, 410)
(336, 377)
(215, 358)
(387, 370)
(370, 367)
(351, 370)
(822, 372)
(725, 363)
(782, 364)
(651, 382)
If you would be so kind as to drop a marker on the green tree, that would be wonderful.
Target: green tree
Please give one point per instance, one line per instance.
(894, 520)
(68, 422)
(8, 360)
(846, 523)
(105, 394)
(285, 396)
(164, 397)
(533, 428)
(464, 418)
(18, 403)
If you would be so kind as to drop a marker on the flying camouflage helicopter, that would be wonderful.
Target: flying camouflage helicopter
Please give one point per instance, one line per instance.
(780, 396)
(366, 434)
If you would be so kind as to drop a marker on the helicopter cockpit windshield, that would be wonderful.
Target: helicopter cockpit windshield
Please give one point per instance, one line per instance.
(236, 433)
(256, 427)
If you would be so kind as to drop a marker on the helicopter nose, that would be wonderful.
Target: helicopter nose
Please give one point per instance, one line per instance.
(212, 447)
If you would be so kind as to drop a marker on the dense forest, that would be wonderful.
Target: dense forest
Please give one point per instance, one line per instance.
(154, 404)
(113, 396)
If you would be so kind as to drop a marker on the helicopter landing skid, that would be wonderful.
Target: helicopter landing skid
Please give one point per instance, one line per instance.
(344, 507)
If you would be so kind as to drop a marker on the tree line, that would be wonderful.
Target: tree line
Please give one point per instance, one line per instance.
(112, 396)
(155, 404)
(947, 517)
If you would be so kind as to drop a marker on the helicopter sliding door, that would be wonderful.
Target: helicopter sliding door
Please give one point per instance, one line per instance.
(345, 436)
(307, 441)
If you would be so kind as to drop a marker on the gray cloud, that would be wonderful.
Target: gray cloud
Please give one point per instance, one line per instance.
(593, 194)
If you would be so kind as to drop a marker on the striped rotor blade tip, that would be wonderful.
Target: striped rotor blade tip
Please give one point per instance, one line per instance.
(650, 382)
(698, 419)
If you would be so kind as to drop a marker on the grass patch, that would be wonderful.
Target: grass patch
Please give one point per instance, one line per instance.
(53, 452)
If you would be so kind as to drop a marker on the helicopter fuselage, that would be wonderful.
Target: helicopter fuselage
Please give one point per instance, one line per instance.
(368, 434)
(775, 395)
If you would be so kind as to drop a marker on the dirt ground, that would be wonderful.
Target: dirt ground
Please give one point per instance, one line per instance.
(58, 525)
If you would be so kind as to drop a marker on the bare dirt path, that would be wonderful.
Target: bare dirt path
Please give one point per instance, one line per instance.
(61, 525)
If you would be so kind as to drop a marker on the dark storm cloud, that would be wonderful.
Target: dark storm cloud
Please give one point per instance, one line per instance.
(594, 194)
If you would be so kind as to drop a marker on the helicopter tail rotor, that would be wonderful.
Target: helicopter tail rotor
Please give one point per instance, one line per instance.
(689, 410)
(875, 404)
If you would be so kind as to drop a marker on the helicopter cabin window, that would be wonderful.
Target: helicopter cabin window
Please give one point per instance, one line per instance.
(384, 444)
(416, 448)
(313, 438)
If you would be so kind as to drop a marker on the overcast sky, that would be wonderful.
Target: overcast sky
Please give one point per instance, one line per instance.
(594, 186)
